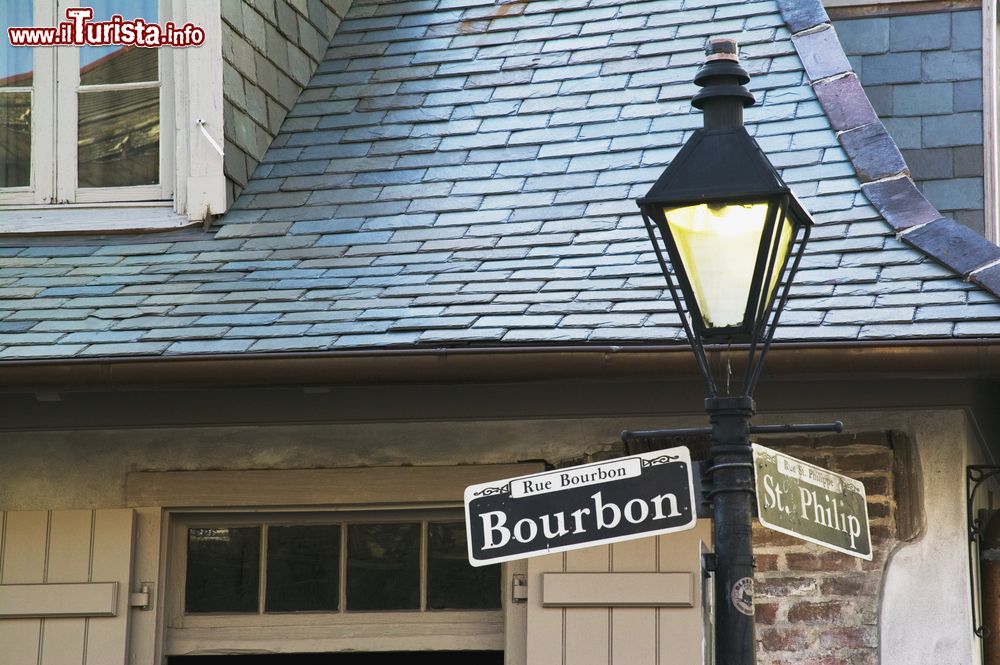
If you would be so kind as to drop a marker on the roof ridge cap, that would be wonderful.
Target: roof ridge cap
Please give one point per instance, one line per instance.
(885, 178)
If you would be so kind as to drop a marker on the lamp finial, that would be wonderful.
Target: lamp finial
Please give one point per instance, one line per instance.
(722, 78)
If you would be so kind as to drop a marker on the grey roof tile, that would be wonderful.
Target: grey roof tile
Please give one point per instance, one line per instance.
(959, 312)
(871, 315)
(125, 349)
(191, 347)
(910, 330)
(298, 343)
(171, 334)
(40, 351)
(450, 178)
(14, 336)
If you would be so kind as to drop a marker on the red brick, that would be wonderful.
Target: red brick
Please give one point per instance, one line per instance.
(804, 561)
(880, 461)
(877, 486)
(784, 639)
(782, 587)
(878, 509)
(809, 594)
(807, 612)
(835, 561)
(767, 563)
(828, 660)
(766, 613)
(842, 638)
(881, 535)
(786, 442)
(767, 538)
(855, 439)
(846, 585)
(811, 456)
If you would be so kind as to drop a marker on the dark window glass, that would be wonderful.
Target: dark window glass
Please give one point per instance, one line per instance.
(120, 64)
(119, 138)
(16, 63)
(451, 582)
(223, 570)
(383, 567)
(125, 64)
(303, 569)
(15, 139)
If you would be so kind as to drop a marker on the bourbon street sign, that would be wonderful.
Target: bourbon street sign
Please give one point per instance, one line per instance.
(566, 509)
(811, 503)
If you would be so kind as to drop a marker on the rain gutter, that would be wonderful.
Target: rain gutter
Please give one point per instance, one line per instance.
(969, 358)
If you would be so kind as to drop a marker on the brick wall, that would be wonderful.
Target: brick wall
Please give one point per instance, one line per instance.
(270, 50)
(816, 606)
(923, 74)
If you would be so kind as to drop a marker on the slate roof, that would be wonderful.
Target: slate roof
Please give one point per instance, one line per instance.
(462, 172)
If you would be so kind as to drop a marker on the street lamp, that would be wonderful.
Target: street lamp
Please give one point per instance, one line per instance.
(734, 234)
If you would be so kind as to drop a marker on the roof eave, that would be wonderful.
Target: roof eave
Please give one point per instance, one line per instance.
(969, 358)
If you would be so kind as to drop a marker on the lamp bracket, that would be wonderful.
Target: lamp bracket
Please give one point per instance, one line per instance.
(836, 427)
(975, 476)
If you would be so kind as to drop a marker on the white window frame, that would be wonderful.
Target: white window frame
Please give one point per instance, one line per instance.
(192, 182)
(317, 632)
(175, 495)
(991, 127)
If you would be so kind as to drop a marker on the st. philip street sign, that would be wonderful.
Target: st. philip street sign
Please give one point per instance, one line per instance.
(811, 503)
(606, 502)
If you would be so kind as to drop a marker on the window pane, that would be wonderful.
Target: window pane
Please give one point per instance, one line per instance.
(223, 570)
(125, 64)
(120, 64)
(451, 582)
(15, 139)
(303, 569)
(119, 140)
(15, 61)
(383, 567)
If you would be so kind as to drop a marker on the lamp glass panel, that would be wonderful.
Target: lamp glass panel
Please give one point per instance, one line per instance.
(784, 234)
(718, 246)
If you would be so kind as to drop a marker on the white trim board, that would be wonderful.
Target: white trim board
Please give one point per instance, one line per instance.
(87, 599)
(312, 487)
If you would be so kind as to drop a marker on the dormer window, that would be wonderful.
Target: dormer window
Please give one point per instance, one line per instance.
(100, 125)
(82, 124)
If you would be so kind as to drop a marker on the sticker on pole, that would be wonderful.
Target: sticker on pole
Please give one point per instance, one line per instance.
(811, 503)
(606, 502)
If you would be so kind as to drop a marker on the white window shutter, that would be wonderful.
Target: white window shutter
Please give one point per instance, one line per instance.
(600, 620)
(44, 550)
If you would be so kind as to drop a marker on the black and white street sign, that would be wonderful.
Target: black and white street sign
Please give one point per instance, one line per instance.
(606, 502)
(811, 503)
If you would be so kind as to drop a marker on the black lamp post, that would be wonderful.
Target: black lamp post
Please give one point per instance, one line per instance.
(731, 228)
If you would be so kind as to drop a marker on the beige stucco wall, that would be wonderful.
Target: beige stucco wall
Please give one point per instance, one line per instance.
(925, 607)
(926, 614)
(65, 469)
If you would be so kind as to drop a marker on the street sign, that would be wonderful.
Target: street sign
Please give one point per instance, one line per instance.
(605, 502)
(811, 503)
